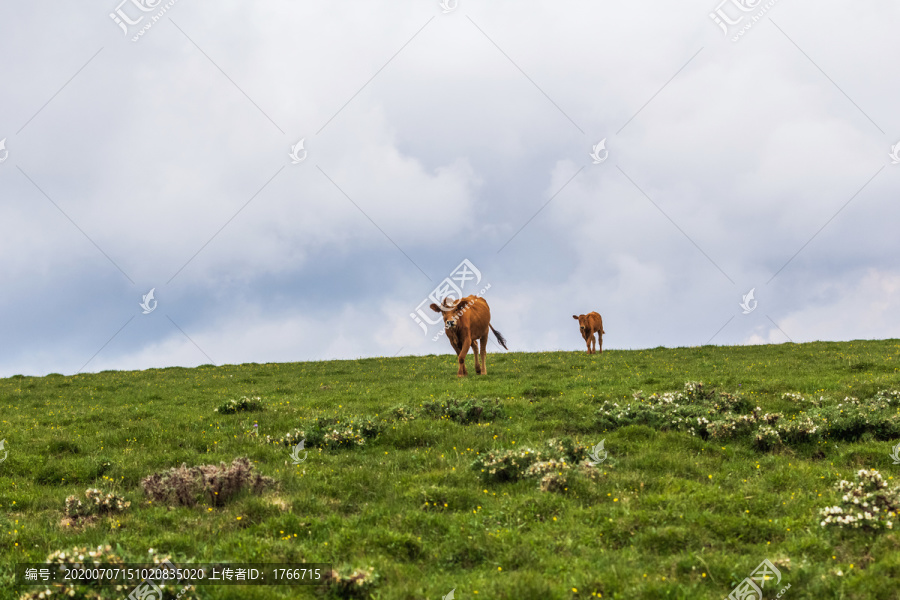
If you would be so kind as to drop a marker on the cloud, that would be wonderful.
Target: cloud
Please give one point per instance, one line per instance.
(433, 138)
(866, 306)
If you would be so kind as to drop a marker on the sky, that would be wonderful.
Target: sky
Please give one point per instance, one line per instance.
(293, 180)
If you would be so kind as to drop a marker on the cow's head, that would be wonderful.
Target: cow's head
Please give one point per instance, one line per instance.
(451, 310)
(582, 322)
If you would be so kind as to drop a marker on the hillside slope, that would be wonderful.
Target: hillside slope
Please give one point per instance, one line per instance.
(673, 508)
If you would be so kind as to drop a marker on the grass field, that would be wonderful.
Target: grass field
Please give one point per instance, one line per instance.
(666, 514)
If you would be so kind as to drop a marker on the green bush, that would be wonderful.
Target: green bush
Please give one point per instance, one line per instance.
(469, 410)
(358, 584)
(868, 504)
(243, 405)
(97, 504)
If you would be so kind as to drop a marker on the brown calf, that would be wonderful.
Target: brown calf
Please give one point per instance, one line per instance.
(590, 324)
(466, 322)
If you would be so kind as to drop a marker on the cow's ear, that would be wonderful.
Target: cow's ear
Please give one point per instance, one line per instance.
(574, 317)
(435, 307)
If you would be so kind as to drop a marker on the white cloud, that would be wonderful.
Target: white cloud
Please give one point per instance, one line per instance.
(449, 146)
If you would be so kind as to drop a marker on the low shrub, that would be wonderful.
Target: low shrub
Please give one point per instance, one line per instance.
(97, 504)
(868, 504)
(332, 434)
(723, 416)
(554, 467)
(187, 486)
(469, 410)
(243, 405)
(508, 465)
(358, 584)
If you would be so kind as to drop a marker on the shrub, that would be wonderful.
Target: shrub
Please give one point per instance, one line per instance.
(848, 420)
(889, 397)
(552, 473)
(291, 438)
(572, 452)
(868, 504)
(695, 392)
(358, 584)
(402, 414)
(543, 467)
(766, 438)
(332, 433)
(509, 465)
(370, 429)
(470, 410)
(554, 468)
(722, 416)
(185, 486)
(97, 504)
(665, 412)
(798, 431)
(345, 436)
(243, 405)
(731, 427)
(554, 482)
(730, 403)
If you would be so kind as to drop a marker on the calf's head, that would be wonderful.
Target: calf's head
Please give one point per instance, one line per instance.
(451, 310)
(582, 322)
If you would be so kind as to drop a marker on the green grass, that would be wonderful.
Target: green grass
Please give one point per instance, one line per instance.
(669, 515)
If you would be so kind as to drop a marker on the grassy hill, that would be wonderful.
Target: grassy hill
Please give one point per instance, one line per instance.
(676, 508)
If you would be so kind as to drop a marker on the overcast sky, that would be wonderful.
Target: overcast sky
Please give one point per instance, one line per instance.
(745, 146)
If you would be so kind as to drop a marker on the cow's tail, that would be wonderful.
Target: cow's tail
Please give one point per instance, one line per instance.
(499, 336)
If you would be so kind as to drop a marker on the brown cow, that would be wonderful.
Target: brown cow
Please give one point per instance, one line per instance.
(466, 321)
(590, 324)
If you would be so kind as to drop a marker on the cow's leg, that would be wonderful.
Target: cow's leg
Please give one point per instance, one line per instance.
(600, 340)
(462, 357)
(475, 352)
(484, 342)
(588, 340)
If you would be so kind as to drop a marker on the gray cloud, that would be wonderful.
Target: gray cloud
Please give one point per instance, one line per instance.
(431, 138)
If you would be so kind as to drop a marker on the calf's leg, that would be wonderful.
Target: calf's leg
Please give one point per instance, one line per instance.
(462, 357)
(484, 341)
